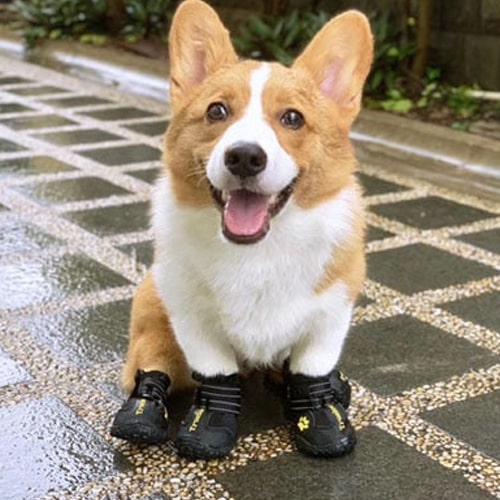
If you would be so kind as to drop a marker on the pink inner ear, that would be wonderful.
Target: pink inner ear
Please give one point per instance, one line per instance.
(198, 70)
(336, 80)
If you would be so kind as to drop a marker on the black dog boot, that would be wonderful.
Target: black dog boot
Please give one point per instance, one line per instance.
(341, 387)
(143, 417)
(321, 426)
(210, 428)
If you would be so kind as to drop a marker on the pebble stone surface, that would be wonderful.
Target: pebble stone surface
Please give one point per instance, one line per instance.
(77, 163)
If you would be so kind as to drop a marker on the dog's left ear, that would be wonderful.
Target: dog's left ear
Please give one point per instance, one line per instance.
(339, 59)
(199, 44)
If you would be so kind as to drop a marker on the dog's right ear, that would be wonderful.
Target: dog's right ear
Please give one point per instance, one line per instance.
(199, 44)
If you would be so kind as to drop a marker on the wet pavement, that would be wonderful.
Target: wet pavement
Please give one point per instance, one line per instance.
(77, 162)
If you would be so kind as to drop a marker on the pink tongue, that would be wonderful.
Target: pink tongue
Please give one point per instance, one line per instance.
(245, 213)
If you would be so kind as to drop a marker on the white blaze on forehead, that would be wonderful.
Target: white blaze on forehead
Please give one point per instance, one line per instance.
(253, 127)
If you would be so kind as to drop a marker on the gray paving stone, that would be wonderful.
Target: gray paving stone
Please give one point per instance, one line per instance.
(143, 251)
(375, 233)
(482, 309)
(76, 137)
(475, 421)
(32, 165)
(419, 267)
(489, 240)
(75, 102)
(35, 122)
(53, 278)
(10, 147)
(83, 188)
(113, 220)
(122, 113)
(18, 236)
(49, 448)
(374, 186)
(380, 468)
(11, 372)
(394, 354)
(97, 334)
(123, 155)
(37, 91)
(13, 107)
(150, 175)
(431, 212)
(149, 128)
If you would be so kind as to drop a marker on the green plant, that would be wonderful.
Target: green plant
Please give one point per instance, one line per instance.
(146, 18)
(56, 19)
(392, 55)
(278, 38)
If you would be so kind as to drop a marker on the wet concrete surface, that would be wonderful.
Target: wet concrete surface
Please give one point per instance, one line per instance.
(77, 162)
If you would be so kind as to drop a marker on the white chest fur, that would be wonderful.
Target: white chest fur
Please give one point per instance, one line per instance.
(256, 301)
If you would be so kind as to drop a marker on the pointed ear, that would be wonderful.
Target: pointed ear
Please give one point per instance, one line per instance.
(198, 45)
(339, 59)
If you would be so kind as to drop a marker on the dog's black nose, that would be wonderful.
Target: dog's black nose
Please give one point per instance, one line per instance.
(245, 159)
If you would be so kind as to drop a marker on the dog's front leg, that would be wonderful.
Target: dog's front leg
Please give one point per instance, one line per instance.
(210, 428)
(317, 393)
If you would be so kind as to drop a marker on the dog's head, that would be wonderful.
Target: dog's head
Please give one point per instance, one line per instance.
(248, 136)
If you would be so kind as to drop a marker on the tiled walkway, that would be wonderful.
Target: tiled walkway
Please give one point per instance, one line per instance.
(76, 166)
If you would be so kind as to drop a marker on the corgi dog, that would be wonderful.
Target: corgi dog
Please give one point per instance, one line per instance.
(259, 235)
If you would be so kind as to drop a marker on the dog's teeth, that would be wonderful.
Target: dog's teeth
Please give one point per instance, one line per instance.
(225, 196)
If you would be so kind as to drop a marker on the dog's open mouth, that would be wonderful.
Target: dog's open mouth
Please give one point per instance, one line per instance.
(246, 215)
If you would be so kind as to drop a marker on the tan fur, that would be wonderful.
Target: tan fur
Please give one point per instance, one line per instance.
(189, 142)
(348, 263)
(152, 345)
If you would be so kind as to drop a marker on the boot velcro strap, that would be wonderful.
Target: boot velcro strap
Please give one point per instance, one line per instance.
(310, 396)
(219, 398)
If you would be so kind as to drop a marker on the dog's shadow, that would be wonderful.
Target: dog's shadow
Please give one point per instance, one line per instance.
(262, 408)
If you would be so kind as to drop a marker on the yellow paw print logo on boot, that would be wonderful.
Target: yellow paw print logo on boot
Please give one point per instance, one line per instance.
(303, 424)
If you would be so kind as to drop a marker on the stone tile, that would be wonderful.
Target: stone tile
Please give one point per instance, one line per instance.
(474, 421)
(18, 236)
(39, 121)
(11, 373)
(37, 91)
(262, 405)
(75, 137)
(364, 301)
(123, 113)
(13, 107)
(41, 279)
(143, 251)
(380, 468)
(98, 334)
(151, 129)
(84, 188)
(431, 212)
(375, 233)
(488, 240)
(150, 175)
(395, 354)
(32, 165)
(76, 102)
(418, 267)
(13, 80)
(157, 496)
(123, 155)
(10, 147)
(49, 448)
(483, 309)
(108, 221)
(374, 185)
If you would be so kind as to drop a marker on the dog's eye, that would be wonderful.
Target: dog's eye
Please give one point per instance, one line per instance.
(217, 112)
(292, 118)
